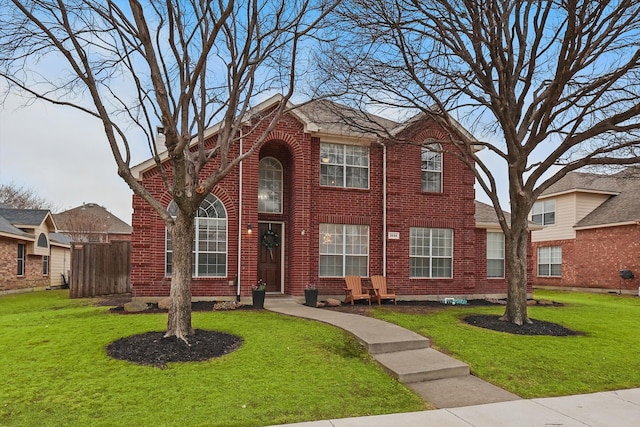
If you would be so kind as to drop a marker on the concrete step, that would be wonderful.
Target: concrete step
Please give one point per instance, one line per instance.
(461, 391)
(386, 345)
(425, 364)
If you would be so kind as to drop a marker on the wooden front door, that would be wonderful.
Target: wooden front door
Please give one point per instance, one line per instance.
(270, 255)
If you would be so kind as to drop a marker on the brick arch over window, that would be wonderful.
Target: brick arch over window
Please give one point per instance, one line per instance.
(289, 140)
(434, 134)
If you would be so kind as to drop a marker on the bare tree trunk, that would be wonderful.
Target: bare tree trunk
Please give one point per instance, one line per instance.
(516, 256)
(179, 322)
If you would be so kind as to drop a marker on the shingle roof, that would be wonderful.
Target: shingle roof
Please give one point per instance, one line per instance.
(7, 228)
(339, 119)
(486, 214)
(114, 224)
(624, 187)
(33, 217)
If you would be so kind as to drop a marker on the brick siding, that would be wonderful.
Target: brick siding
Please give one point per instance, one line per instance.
(306, 205)
(594, 259)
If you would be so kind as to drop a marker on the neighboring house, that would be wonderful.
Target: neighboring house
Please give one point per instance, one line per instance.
(591, 231)
(92, 223)
(319, 201)
(32, 254)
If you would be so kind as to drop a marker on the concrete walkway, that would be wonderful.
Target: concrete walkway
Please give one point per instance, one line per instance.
(446, 383)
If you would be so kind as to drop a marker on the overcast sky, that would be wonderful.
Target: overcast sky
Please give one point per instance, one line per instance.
(62, 155)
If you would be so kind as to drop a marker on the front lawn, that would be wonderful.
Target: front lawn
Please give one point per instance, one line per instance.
(55, 371)
(606, 357)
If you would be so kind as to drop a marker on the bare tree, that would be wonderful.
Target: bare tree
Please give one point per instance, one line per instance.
(82, 226)
(15, 196)
(552, 86)
(180, 65)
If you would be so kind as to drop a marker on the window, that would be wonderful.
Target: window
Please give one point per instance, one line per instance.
(544, 212)
(210, 241)
(550, 261)
(344, 166)
(270, 186)
(42, 241)
(45, 265)
(431, 253)
(495, 254)
(432, 168)
(22, 250)
(344, 250)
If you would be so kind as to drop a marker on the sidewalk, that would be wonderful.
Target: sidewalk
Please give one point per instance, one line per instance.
(446, 383)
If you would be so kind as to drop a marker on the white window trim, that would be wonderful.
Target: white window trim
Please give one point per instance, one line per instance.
(344, 254)
(550, 264)
(281, 192)
(432, 257)
(23, 258)
(195, 251)
(544, 209)
(437, 149)
(494, 259)
(345, 166)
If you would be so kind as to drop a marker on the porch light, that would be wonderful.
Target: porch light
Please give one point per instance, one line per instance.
(249, 228)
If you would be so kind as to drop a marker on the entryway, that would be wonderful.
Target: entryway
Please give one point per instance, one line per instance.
(270, 259)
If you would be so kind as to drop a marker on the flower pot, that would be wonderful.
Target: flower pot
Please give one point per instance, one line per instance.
(311, 297)
(258, 298)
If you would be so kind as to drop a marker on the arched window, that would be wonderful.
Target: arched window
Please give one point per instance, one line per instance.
(270, 186)
(432, 168)
(42, 241)
(210, 241)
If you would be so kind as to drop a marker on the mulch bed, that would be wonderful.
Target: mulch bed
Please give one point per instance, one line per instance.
(152, 348)
(536, 327)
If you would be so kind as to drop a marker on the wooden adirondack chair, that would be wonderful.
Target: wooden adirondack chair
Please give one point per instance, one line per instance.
(354, 291)
(380, 291)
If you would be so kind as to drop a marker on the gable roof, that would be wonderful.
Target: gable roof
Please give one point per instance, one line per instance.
(623, 189)
(114, 225)
(13, 221)
(320, 118)
(28, 218)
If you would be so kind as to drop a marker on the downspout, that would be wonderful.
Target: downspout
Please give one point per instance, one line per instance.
(239, 221)
(384, 210)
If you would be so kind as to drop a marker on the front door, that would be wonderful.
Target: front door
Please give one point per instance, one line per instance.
(270, 255)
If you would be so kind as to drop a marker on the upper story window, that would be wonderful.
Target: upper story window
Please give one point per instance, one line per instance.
(544, 212)
(495, 255)
(210, 239)
(432, 168)
(270, 186)
(431, 253)
(344, 165)
(42, 241)
(344, 250)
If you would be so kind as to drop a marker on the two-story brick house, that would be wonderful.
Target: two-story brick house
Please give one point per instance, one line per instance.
(591, 231)
(321, 200)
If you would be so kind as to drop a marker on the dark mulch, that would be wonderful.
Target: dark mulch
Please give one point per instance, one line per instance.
(537, 327)
(152, 348)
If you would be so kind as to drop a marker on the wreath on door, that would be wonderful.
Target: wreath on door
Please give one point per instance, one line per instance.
(270, 240)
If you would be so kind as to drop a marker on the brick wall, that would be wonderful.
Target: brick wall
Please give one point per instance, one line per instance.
(595, 257)
(10, 281)
(307, 204)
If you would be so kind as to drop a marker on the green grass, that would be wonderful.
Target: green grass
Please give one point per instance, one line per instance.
(607, 357)
(55, 371)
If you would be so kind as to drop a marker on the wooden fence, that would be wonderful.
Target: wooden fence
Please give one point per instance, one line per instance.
(100, 269)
